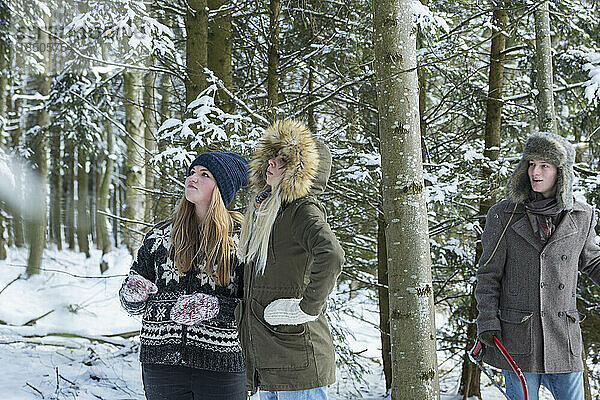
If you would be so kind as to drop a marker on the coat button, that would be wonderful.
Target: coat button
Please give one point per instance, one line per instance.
(560, 313)
(564, 257)
(542, 284)
(561, 286)
(543, 255)
(543, 313)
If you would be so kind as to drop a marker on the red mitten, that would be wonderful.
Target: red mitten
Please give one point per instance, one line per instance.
(137, 288)
(191, 309)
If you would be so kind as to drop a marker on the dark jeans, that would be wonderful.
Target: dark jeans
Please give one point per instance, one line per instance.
(171, 382)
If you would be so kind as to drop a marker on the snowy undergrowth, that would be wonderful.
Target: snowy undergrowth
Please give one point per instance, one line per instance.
(63, 335)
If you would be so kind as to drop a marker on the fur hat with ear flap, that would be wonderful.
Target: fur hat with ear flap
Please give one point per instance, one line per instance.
(551, 148)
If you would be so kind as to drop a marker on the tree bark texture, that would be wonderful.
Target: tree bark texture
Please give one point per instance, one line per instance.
(69, 192)
(273, 59)
(16, 136)
(37, 219)
(150, 143)
(55, 189)
(471, 375)
(412, 324)
(219, 47)
(544, 76)
(384, 302)
(196, 27)
(135, 172)
(83, 219)
(104, 196)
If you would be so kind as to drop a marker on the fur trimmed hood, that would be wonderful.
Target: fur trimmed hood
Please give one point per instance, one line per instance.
(551, 148)
(308, 160)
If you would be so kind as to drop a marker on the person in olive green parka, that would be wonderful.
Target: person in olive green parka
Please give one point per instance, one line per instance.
(292, 261)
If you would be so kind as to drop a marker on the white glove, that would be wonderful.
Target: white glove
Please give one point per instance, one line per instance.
(286, 312)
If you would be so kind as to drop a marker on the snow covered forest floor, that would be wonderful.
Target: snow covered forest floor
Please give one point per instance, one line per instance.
(63, 335)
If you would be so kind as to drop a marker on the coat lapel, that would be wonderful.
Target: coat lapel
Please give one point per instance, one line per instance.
(523, 228)
(566, 228)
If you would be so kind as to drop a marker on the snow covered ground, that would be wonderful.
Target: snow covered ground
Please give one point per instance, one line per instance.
(63, 335)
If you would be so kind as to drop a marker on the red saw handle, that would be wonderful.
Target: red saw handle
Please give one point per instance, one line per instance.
(514, 366)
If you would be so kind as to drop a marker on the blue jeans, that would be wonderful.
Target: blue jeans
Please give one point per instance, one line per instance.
(175, 382)
(319, 393)
(568, 386)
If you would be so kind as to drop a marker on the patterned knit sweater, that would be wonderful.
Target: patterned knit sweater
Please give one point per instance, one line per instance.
(212, 344)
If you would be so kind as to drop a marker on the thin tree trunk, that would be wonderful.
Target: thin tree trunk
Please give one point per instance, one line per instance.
(150, 142)
(219, 48)
(55, 189)
(115, 210)
(163, 203)
(384, 301)
(16, 138)
(196, 27)
(273, 59)
(69, 193)
(544, 77)
(92, 196)
(83, 220)
(4, 58)
(37, 223)
(412, 324)
(104, 197)
(471, 376)
(135, 172)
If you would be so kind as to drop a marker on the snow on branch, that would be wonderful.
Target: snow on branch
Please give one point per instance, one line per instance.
(427, 20)
(592, 86)
(205, 124)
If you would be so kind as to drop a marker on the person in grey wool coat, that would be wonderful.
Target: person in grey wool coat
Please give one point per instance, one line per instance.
(534, 244)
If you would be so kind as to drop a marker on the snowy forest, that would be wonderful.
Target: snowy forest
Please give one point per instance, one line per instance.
(104, 104)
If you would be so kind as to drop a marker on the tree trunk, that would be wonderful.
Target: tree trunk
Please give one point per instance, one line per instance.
(273, 59)
(116, 210)
(471, 376)
(150, 143)
(384, 302)
(163, 203)
(69, 193)
(422, 74)
(37, 221)
(104, 197)
(412, 324)
(543, 77)
(92, 195)
(55, 189)
(196, 27)
(4, 17)
(219, 48)
(134, 171)
(16, 137)
(83, 220)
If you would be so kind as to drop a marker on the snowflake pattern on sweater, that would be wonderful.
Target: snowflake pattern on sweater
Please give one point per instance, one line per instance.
(212, 344)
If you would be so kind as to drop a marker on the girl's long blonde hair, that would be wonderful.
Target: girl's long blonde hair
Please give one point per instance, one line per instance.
(211, 241)
(256, 228)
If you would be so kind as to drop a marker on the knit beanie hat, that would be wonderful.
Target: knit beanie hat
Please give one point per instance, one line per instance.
(230, 170)
(551, 148)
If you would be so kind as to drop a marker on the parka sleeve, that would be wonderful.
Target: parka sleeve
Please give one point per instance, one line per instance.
(589, 259)
(490, 273)
(314, 234)
(143, 264)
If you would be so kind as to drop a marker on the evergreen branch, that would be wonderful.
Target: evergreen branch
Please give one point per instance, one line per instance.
(114, 64)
